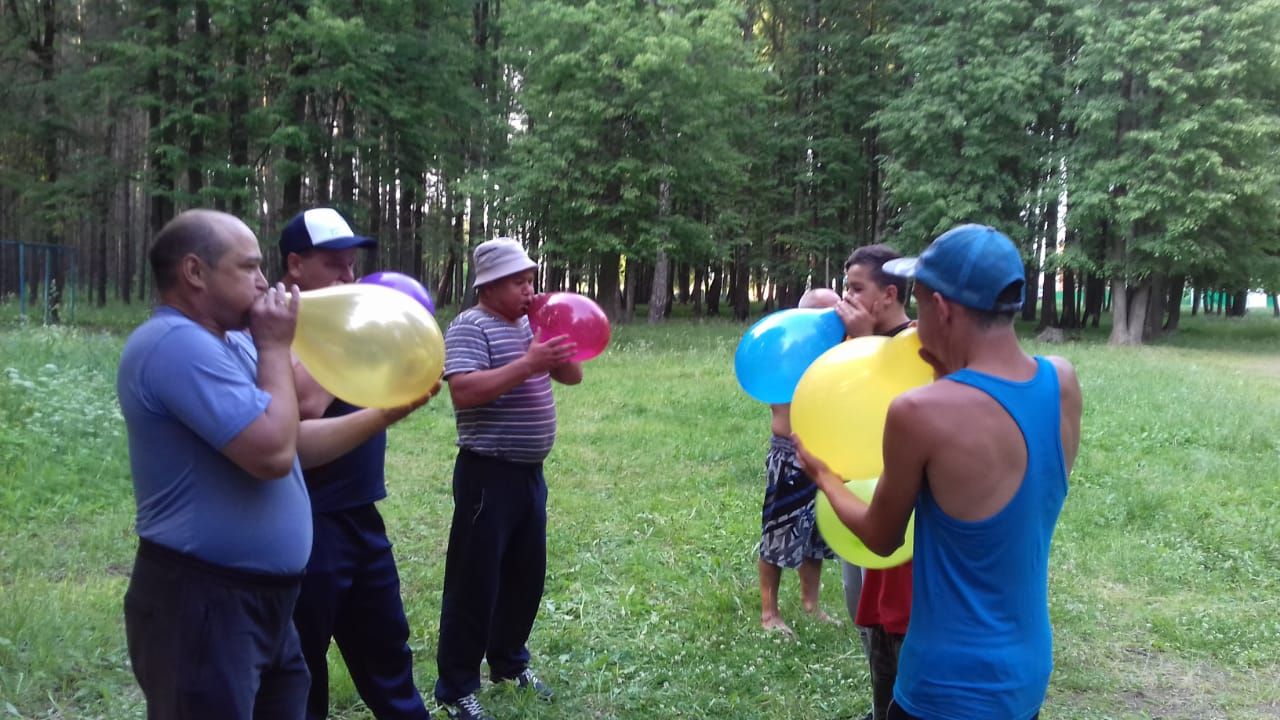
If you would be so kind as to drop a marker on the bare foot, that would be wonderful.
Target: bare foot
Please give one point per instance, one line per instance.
(775, 622)
(821, 615)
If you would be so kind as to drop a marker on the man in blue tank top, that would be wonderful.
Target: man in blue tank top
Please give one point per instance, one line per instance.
(351, 591)
(982, 457)
(223, 522)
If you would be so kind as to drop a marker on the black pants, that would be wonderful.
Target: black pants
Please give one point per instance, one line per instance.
(351, 594)
(883, 649)
(211, 642)
(493, 572)
(897, 713)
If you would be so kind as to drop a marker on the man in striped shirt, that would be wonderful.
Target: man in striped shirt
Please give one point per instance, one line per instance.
(499, 378)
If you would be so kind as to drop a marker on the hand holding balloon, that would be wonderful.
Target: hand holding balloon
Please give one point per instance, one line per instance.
(391, 416)
(546, 356)
(574, 316)
(273, 317)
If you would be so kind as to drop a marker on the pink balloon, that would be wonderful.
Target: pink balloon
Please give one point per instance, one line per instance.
(564, 313)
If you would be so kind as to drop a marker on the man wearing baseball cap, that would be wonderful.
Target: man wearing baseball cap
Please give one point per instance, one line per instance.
(982, 457)
(351, 591)
(499, 377)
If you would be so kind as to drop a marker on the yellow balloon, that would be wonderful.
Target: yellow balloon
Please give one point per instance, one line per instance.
(840, 403)
(369, 345)
(903, 349)
(847, 545)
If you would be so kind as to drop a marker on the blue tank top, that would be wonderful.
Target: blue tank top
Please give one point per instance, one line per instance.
(979, 644)
(353, 480)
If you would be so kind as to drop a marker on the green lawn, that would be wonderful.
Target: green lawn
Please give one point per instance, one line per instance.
(1165, 579)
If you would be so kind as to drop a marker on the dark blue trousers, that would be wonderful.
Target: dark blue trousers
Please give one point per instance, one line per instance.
(351, 594)
(493, 573)
(208, 642)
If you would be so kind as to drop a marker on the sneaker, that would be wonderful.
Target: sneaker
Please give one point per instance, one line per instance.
(466, 707)
(526, 680)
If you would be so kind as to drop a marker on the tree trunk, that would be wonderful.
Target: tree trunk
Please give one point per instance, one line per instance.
(1175, 303)
(713, 290)
(1239, 303)
(1048, 297)
(1156, 301)
(660, 296)
(629, 293)
(1129, 311)
(607, 285)
(740, 297)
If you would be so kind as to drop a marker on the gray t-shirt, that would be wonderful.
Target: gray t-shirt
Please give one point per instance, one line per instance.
(519, 426)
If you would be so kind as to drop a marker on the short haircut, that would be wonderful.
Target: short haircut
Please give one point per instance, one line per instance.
(873, 257)
(193, 232)
(992, 318)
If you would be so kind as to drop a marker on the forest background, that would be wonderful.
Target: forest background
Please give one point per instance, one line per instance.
(708, 152)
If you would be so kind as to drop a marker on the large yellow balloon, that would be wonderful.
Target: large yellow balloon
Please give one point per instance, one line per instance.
(840, 403)
(847, 545)
(369, 345)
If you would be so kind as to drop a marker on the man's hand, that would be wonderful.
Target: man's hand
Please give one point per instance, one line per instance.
(394, 415)
(543, 356)
(273, 318)
(815, 468)
(858, 320)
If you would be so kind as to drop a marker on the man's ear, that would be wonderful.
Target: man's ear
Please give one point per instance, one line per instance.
(944, 308)
(192, 271)
(293, 265)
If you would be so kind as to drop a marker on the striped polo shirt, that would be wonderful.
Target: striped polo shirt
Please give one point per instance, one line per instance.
(519, 426)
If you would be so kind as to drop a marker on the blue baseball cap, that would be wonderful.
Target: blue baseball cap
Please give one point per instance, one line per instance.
(971, 265)
(320, 229)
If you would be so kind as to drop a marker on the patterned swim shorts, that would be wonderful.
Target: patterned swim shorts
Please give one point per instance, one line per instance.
(789, 532)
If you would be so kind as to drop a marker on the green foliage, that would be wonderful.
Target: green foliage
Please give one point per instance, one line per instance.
(1177, 134)
(617, 99)
(970, 132)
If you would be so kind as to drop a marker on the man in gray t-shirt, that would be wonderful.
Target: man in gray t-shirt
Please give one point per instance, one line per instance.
(499, 378)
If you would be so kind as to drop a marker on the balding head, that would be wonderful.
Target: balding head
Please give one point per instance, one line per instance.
(203, 233)
(819, 298)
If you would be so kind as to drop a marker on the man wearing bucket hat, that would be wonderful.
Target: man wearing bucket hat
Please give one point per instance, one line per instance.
(351, 591)
(499, 378)
(982, 457)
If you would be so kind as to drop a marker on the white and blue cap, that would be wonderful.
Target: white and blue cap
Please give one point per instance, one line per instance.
(971, 265)
(320, 229)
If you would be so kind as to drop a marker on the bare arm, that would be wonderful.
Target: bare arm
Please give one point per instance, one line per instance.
(313, 400)
(267, 447)
(1072, 409)
(883, 529)
(482, 387)
(322, 440)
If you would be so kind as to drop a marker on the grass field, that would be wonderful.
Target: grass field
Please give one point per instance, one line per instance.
(1165, 577)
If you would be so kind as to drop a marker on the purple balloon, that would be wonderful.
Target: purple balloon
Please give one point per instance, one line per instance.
(403, 283)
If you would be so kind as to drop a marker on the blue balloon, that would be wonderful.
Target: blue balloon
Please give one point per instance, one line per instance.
(776, 351)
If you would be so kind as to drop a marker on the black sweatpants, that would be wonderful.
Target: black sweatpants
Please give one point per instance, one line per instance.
(493, 573)
(351, 594)
(207, 641)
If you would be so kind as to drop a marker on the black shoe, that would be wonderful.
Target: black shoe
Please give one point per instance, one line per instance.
(466, 707)
(526, 680)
